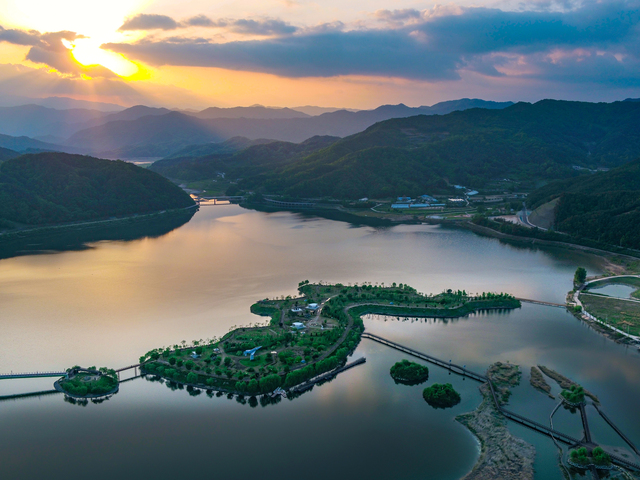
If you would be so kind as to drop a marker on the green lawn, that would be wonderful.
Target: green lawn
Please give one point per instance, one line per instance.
(618, 313)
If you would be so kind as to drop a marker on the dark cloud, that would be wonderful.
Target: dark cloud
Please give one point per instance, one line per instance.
(386, 53)
(20, 37)
(144, 21)
(433, 45)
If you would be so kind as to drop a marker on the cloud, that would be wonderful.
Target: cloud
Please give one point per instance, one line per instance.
(201, 21)
(48, 49)
(262, 27)
(144, 21)
(387, 53)
(435, 44)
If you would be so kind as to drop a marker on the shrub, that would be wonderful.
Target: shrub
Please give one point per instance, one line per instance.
(409, 373)
(441, 395)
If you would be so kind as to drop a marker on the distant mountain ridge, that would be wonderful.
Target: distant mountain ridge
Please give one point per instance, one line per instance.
(177, 130)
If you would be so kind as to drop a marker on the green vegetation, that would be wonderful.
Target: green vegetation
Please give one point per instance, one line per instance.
(604, 206)
(580, 276)
(91, 383)
(574, 395)
(254, 160)
(301, 340)
(580, 457)
(409, 373)
(49, 188)
(621, 314)
(441, 395)
(473, 147)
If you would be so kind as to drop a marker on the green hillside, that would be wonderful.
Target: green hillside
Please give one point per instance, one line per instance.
(603, 206)
(254, 161)
(49, 188)
(525, 142)
(7, 154)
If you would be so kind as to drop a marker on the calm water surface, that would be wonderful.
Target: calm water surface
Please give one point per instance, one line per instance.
(109, 304)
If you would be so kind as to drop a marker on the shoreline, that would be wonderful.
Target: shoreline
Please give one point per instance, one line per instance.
(339, 214)
(17, 233)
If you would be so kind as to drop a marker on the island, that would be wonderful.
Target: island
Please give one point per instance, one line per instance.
(574, 396)
(306, 336)
(88, 382)
(582, 458)
(441, 395)
(409, 373)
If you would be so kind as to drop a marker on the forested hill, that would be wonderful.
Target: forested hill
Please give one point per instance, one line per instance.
(255, 160)
(601, 206)
(49, 188)
(474, 147)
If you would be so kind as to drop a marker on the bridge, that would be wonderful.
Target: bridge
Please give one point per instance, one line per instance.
(441, 363)
(617, 430)
(8, 376)
(539, 302)
(522, 420)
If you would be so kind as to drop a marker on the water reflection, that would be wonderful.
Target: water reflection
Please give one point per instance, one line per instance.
(80, 238)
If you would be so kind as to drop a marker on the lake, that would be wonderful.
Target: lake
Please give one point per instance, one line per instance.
(112, 302)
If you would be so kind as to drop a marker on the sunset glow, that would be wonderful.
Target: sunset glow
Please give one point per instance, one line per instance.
(88, 52)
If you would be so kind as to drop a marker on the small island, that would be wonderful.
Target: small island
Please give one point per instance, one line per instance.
(441, 395)
(88, 382)
(306, 336)
(581, 458)
(574, 395)
(409, 373)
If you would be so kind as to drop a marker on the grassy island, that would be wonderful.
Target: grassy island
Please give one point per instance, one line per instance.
(409, 373)
(441, 395)
(89, 382)
(306, 336)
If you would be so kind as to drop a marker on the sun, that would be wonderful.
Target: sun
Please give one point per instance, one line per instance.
(87, 52)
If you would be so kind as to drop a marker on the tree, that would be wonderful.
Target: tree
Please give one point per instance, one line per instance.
(580, 276)
(252, 386)
(192, 377)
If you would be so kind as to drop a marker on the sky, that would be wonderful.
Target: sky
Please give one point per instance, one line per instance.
(287, 53)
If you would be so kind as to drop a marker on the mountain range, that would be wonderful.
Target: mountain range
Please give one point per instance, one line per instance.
(157, 132)
(524, 143)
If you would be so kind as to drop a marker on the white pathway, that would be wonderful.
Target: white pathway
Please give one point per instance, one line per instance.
(588, 316)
